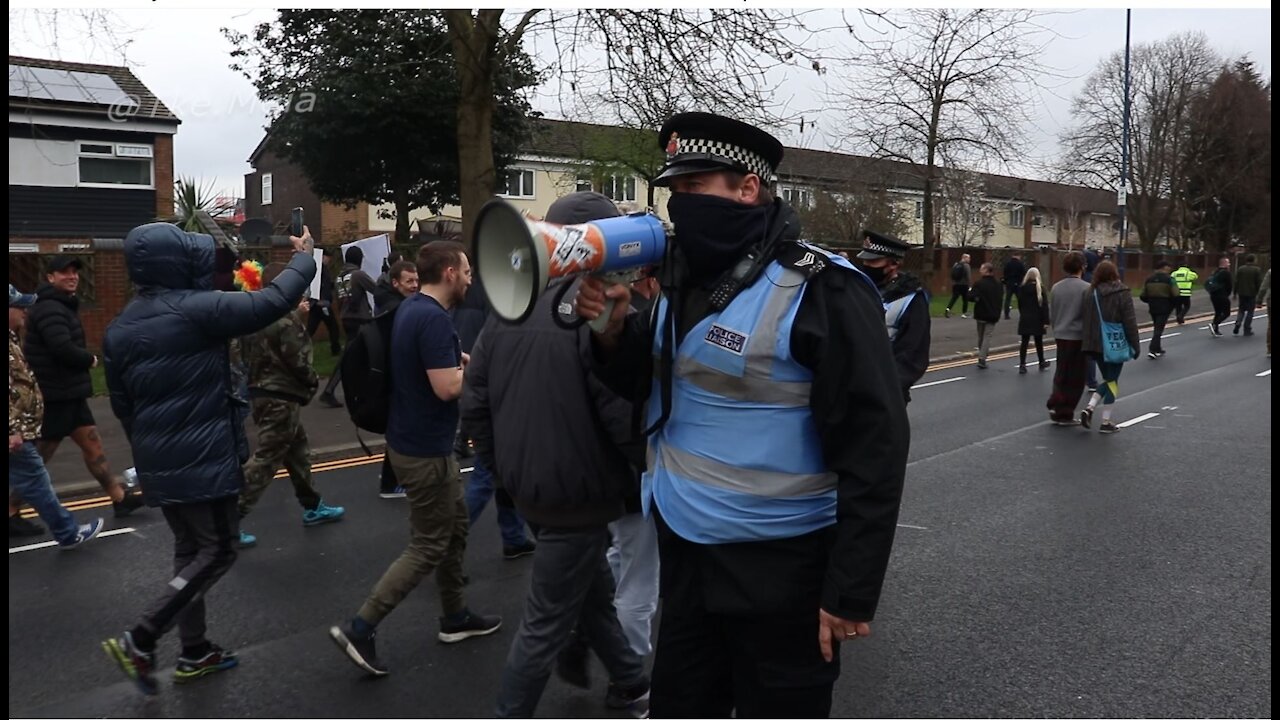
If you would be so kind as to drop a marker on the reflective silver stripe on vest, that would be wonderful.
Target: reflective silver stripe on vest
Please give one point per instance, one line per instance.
(752, 482)
(756, 383)
(893, 313)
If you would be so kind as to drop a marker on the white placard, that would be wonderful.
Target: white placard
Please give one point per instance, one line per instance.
(376, 250)
(318, 254)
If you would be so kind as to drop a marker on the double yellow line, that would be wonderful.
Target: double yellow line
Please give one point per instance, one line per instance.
(98, 501)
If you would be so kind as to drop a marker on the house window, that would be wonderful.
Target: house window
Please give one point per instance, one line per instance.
(1037, 220)
(115, 164)
(804, 197)
(1093, 223)
(620, 189)
(920, 210)
(519, 184)
(797, 197)
(583, 184)
(1017, 217)
(266, 188)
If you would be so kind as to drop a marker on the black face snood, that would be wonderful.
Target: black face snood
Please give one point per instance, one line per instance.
(875, 273)
(714, 232)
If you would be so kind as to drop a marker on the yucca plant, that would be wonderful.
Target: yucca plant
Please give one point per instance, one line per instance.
(190, 196)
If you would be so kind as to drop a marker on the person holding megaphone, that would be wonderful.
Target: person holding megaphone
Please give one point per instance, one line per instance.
(776, 428)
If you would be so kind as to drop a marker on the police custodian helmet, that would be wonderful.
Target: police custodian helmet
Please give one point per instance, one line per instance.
(698, 142)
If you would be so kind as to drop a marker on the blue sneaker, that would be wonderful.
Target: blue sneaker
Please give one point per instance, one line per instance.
(322, 514)
(247, 540)
(84, 534)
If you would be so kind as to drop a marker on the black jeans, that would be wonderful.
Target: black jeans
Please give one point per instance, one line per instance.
(1010, 292)
(351, 327)
(1221, 309)
(1245, 314)
(317, 315)
(1157, 329)
(961, 293)
(1181, 306)
(1022, 350)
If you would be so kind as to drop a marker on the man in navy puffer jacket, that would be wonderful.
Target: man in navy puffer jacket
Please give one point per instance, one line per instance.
(170, 383)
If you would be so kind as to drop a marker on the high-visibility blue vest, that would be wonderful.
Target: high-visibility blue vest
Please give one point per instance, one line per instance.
(739, 458)
(895, 311)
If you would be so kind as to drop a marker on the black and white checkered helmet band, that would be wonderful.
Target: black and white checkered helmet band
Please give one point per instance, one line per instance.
(880, 248)
(699, 149)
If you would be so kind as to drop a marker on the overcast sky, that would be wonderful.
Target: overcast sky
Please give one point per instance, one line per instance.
(181, 55)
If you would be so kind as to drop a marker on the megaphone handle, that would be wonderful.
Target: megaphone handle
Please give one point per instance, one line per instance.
(601, 323)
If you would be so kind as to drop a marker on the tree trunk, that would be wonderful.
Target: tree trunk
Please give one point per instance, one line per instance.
(474, 40)
(402, 218)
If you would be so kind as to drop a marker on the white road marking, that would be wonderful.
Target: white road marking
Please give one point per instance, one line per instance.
(1264, 373)
(53, 543)
(936, 382)
(467, 469)
(1135, 421)
(912, 527)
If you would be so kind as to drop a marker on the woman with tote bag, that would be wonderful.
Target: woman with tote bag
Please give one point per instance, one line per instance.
(1110, 337)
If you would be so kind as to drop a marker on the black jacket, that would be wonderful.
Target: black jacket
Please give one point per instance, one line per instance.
(858, 413)
(1033, 310)
(55, 346)
(1014, 271)
(548, 429)
(911, 346)
(1221, 282)
(986, 295)
(385, 295)
(1159, 293)
(469, 316)
(168, 368)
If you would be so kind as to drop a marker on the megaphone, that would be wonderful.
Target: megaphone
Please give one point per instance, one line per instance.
(516, 257)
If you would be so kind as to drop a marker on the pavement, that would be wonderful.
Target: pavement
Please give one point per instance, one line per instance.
(1037, 571)
(333, 436)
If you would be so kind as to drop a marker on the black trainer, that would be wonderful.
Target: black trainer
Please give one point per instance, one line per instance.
(511, 552)
(634, 698)
(360, 651)
(470, 625)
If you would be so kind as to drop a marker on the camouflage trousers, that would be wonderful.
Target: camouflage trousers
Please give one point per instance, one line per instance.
(281, 441)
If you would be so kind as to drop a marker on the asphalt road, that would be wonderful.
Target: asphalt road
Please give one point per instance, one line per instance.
(1038, 571)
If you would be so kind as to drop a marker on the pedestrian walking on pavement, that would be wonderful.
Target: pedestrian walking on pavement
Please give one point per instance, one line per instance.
(1219, 286)
(1160, 293)
(1264, 300)
(552, 433)
(906, 306)
(1248, 279)
(353, 288)
(1111, 302)
(426, 364)
(1033, 318)
(779, 404)
(170, 386)
(282, 378)
(961, 277)
(321, 309)
(1066, 314)
(1011, 276)
(986, 295)
(28, 476)
(55, 347)
(1185, 278)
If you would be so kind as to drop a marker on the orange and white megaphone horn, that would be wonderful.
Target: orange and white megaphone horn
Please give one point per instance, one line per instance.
(516, 257)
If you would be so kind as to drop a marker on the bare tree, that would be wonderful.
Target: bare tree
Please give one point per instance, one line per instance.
(1166, 77)
(943, 87)
(102, 30)
(964, 212)
(839, 215)
(661, 58)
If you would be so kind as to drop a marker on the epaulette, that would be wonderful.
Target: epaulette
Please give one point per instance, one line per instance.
(804, 259)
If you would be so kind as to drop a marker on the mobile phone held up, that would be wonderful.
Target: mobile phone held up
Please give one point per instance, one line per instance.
(296, 223)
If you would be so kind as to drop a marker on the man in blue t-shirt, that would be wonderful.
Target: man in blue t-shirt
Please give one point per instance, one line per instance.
(426, 363)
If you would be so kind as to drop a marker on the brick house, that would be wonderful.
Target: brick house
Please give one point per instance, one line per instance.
(90, 157)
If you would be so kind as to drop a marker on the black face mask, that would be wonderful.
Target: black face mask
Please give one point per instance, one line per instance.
(714, 232)
(875, 273)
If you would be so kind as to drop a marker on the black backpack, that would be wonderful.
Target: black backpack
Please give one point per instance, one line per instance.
(957, 272)
(366, 374)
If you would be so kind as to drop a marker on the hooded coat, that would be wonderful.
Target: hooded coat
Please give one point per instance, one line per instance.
(55, 346)
(1116, 303)
(167, 362)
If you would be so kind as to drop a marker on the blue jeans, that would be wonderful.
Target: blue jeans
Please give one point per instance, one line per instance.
(479, 491)
(29, 477)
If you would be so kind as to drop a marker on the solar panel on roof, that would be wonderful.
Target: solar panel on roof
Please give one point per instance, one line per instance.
(66, 85)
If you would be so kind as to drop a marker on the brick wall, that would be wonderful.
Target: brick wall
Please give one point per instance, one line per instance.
(164, 175)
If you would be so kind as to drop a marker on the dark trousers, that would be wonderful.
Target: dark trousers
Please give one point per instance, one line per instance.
(1181, 306)
(1010, 292)
(1245, 314)
(1022, 350)
(1221, 309)
(204, 548)
(710, 663)
(1068, 380)
(387, 478)
(317, 315)
(961, 293)
(351, 327)
(1157, 329)
(571, 579)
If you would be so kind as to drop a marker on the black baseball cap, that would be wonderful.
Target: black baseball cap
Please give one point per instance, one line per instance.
(62, 262)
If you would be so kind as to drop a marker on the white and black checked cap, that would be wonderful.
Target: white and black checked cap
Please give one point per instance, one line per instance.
(875, 245)
(701, 142)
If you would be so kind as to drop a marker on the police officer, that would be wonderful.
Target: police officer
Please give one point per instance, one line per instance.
(777, 437)
(1184, 277)
(906, 305)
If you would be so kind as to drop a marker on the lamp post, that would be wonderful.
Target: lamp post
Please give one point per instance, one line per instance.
(1122, 195)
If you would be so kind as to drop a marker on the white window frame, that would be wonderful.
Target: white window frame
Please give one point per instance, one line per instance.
(919, 210)
(1018, 217)
(122, 151)
(611, 188)
(797, 196)
(525, 193)
(268, 188)
(583, 184)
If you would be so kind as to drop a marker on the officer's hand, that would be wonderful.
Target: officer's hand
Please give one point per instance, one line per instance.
(15, 442)
(832, 629)
(590, 303)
